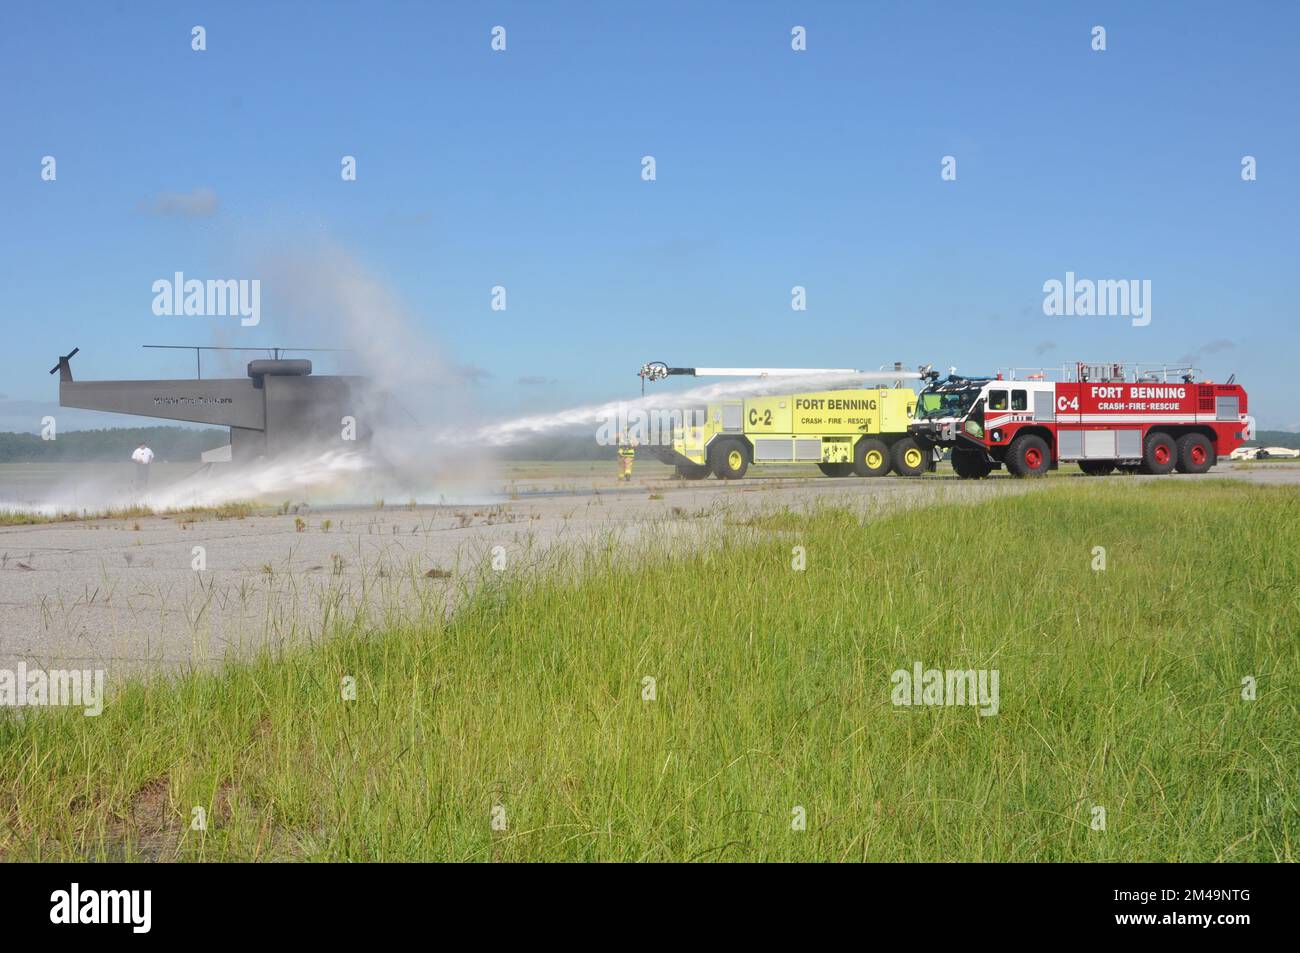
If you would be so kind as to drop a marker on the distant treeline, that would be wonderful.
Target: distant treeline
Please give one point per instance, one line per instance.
(1276, 438)
(583, 447)
(185, 444)
(172, 444)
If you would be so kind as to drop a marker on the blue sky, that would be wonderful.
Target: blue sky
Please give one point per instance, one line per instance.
(775, 168)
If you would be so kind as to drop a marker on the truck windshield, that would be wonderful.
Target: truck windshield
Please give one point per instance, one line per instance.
(946, 403)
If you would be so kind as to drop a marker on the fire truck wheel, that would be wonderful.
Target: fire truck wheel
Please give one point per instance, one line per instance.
(908, 458)
(1161, 454)
(836, 469)
(871, 458)
(693, 471)
(1028, 456)
(1097, 467)
(1195, 453)
(729, 460)
(970, 464)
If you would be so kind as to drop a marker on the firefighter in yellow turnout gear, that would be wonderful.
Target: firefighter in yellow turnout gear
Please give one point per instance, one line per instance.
(626, 455)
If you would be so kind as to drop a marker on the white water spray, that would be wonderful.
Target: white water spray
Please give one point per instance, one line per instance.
(507, 432)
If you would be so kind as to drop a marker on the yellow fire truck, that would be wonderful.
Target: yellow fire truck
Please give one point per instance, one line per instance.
(860, 430)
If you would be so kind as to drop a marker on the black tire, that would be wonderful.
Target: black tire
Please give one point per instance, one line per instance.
(906, 457)
(1129, 467)
(1097, 467)
(1195, 453)
(836, 469)
(729, 459)
(1159, 454)
(1028, 456)
(871, 458)
(693, 471)
(970, 464)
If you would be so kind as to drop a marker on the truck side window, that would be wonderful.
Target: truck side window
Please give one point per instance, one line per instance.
(1019, 400)
(997, 400)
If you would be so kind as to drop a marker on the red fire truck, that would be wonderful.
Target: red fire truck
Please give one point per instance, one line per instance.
(1147, 418)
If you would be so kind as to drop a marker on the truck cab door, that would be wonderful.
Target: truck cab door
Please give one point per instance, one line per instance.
(1067, 404)
(973, 424)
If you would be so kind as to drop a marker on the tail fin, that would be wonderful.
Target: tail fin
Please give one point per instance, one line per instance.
(64, 367)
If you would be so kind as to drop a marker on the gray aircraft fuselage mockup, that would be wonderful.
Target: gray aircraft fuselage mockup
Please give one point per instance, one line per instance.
(279, 408)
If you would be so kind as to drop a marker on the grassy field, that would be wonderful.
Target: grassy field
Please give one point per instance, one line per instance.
(237, 509)
(1118, 688)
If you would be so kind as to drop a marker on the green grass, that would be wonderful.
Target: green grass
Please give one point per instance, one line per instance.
(1119, 689)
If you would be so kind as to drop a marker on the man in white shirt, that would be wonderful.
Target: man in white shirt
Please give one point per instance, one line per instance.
(143, 456)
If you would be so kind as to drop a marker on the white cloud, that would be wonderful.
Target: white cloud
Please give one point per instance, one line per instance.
(201, 203)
